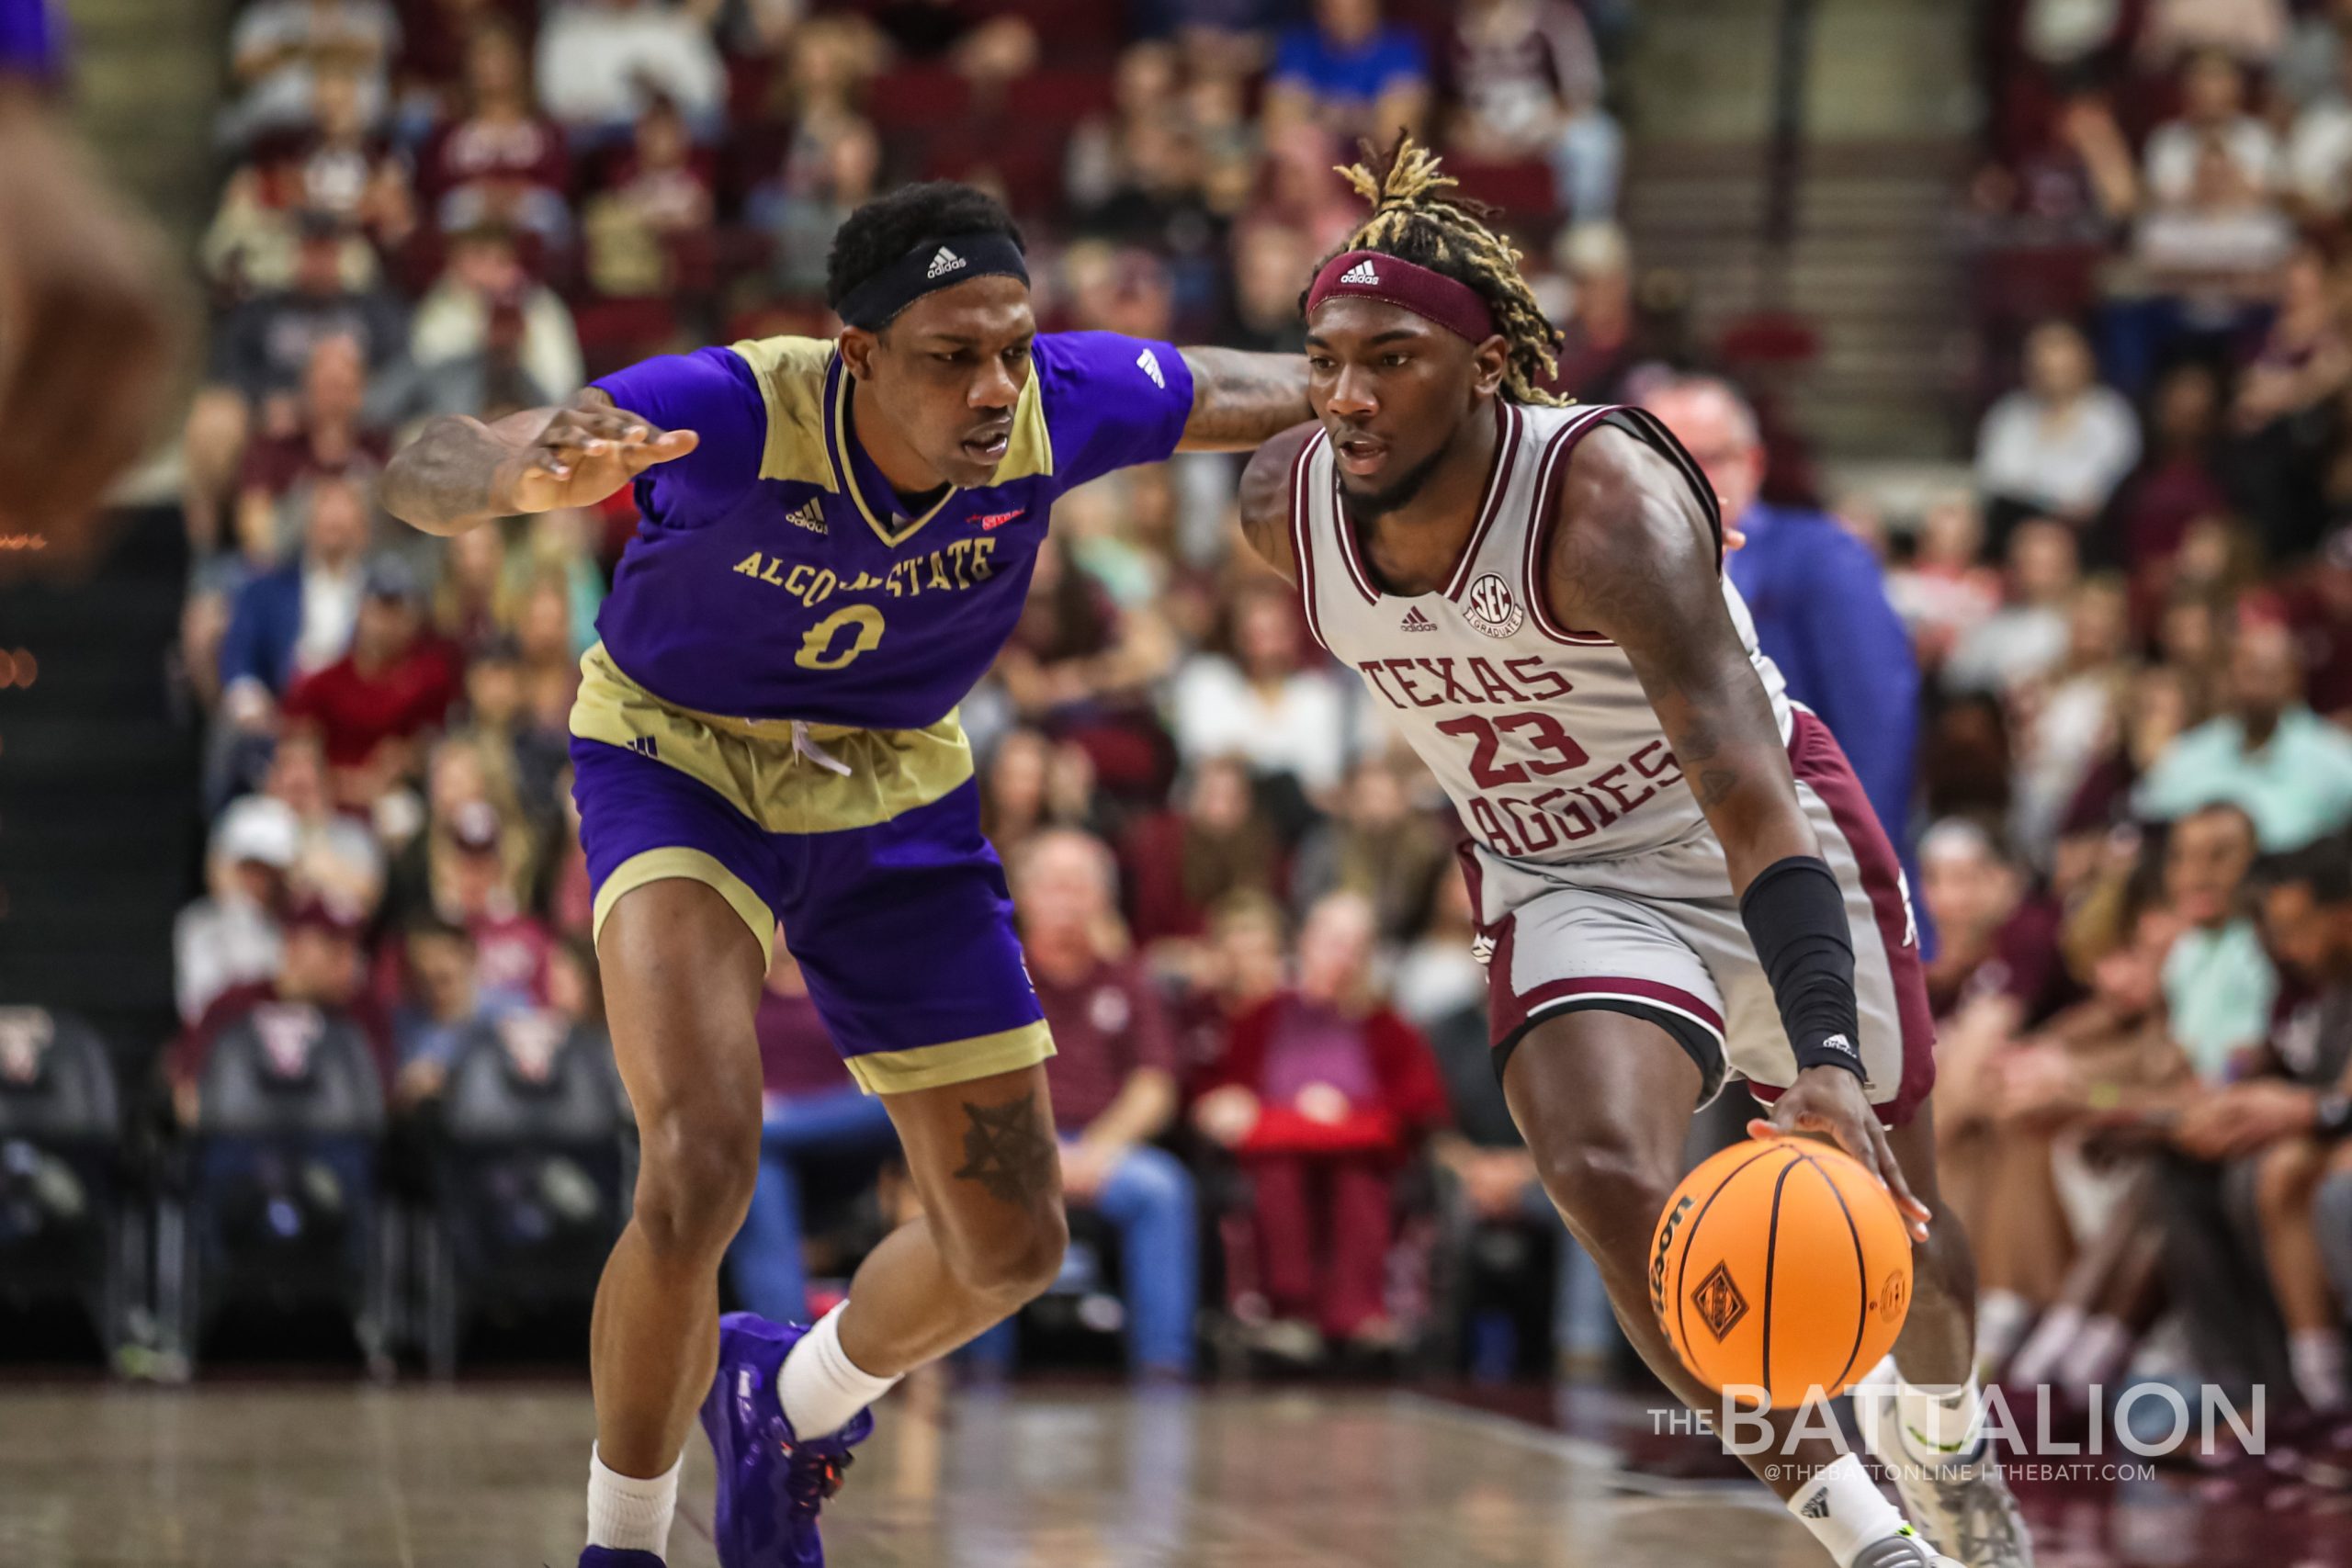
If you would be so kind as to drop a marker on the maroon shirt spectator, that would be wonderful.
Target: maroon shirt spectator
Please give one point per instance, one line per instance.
(1108, 1023)
(436, 34)
(513, 949)
(500, 160)
(321, 966)
(326, 439)
(1114, 1068)
(1321, 1093)
(389, 689)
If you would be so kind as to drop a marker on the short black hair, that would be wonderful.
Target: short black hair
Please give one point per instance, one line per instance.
(889, 225)
(2325, 867)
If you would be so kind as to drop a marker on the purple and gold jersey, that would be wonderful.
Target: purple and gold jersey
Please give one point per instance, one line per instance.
(777, 575)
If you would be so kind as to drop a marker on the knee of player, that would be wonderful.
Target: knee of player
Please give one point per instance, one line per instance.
(697, 1166)
(1013, 1262)
(1610, 1196)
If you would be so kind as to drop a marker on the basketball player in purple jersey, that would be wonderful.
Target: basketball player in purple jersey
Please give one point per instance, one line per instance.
(838, 537)
(1677, 877)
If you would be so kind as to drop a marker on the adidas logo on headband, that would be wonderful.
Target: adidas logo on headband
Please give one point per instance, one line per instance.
(1361, 273)
(945, 262)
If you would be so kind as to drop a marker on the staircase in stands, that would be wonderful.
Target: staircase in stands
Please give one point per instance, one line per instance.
(1873, 266)
(100, 832)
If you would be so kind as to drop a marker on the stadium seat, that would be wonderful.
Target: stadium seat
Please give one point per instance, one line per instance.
(528, 1175)
(276, 1192)
(68, 1227)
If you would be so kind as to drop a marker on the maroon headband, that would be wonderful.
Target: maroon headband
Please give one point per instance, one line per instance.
(1433, 296)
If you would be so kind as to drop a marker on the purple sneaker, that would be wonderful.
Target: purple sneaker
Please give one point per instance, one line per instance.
(614, 1557)
(770, 1483)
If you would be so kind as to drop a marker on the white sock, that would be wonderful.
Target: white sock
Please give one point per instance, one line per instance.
(821, 1388)
(1939, 1422)
(2317, 1355)
(1845, 1510)
(627, 1514)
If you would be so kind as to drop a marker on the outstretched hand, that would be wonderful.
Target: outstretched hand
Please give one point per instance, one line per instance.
(584, 453)
(1829, 1100)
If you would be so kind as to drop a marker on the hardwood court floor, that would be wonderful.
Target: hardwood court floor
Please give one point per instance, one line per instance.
(492, 1477)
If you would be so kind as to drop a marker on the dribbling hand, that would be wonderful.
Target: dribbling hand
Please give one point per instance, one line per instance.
(1829, 1101)
(585, 453)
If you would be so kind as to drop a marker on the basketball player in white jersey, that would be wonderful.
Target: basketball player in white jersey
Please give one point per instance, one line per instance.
(1675, 874)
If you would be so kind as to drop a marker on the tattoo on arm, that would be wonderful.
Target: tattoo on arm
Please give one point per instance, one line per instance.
(1632, 557)
(1007, 1151)
(1240, 400)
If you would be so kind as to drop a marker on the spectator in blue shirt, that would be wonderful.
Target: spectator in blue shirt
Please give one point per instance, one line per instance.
(1349, 74)
(299, 617)
(1818, 598)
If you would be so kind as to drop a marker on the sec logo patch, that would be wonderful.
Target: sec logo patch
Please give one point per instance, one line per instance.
(1492, 608)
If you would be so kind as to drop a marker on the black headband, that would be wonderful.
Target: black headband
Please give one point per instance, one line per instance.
(934, 264)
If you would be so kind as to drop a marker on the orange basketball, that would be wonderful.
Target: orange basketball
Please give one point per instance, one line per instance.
(1780, 1264)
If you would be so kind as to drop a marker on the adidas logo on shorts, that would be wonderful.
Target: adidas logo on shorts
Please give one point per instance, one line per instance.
(1361, 273)
(945, 262)
(1148, 363)
(1415, 621)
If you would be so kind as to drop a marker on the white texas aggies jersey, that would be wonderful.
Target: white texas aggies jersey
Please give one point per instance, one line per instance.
(1541, 733)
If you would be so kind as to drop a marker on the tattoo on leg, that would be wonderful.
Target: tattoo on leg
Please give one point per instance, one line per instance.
(1007, 1150)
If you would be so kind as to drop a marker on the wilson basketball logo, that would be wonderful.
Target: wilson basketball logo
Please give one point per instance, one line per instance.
(1491, 607)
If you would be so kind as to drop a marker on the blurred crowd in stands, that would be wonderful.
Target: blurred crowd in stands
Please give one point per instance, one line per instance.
(2100, 690)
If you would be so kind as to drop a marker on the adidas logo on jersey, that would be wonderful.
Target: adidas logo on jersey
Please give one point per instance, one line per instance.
(943, 263)
(1415, 621)
(809, 514)
(1361, 273)
(1148, 363)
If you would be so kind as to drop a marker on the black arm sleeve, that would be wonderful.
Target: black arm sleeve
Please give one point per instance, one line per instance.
(1795, 914)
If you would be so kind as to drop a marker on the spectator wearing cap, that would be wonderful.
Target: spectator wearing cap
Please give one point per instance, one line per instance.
(1114, 1083)
(299, 618)
(820, 1134)
(371, 707)
(2289, 770)
(600, 61)
(474, 888)
(1817, 596)
(230, 936)
(1349, 72)
(320, 964)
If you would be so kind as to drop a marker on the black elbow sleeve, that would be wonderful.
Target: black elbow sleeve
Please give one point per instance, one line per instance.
(1795, 914)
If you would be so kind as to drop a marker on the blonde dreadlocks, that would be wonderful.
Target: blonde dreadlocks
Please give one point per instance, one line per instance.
(1414, 219)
